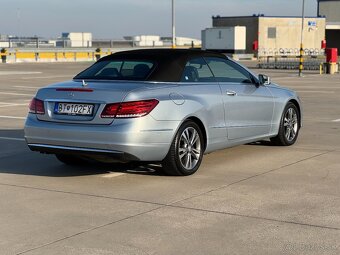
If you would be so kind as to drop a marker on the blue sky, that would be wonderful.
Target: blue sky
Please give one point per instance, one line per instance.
(117, 18)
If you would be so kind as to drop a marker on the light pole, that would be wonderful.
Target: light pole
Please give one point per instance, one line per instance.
(301, 45)
(173, 25)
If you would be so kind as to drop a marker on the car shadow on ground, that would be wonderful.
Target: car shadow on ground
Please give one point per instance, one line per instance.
(33, 163)
(95, 168)
(16, 158)
(262, 143)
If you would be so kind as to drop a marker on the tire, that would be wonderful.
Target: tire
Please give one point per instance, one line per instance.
(186, 151)
(289, 126)
(70, 160)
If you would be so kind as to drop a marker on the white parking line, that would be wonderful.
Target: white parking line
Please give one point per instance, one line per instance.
(26, 87)
(294, 76)
(16, 94)
(46, 77)
(314, 87)
(338, 120)
(11, 105)
(315, 91)
(112, 175)
(12, 117)
(15, 72)
(12, 139)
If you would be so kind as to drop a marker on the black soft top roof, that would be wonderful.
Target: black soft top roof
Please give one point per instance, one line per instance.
(170, 63)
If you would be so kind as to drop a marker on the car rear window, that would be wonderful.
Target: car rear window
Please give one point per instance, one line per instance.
(137, 70)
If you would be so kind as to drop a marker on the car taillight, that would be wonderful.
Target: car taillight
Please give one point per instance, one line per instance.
(133, 109)
(110, 110)
(37, 106)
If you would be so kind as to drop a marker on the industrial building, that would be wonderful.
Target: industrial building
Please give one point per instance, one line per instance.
(277, 35)
(73, 39)
(330, 9)
(158, 41)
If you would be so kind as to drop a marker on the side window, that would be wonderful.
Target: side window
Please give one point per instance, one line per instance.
(227, 71)
(197, 70)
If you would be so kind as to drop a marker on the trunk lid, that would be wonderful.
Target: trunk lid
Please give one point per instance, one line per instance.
(93, 95)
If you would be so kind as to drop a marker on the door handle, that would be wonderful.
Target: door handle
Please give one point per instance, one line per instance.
(231, 93)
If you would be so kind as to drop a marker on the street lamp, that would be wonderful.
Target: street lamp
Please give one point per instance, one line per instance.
(173, 25)
(301, 45)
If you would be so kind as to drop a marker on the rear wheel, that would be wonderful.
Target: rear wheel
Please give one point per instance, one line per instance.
(186, 151)
(289, 126)
(70, 159)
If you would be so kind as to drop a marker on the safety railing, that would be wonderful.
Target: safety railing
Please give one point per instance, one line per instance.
(291, 62)
(264, 52)
(290, 59)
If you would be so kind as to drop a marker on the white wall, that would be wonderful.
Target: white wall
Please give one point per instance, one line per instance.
(224, 38)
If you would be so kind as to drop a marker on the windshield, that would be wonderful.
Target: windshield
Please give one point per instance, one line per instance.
(137, 70)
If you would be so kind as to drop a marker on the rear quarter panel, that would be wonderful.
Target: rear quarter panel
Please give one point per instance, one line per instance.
(180, 101)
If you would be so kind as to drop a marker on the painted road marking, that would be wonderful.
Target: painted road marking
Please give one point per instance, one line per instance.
(11, 105)
(16, 72)
(338, 120)
(112, 175)
(295, 76)
(12, 117)
(7, 103)
(26, 87)
(12, 139)
(314, 87)
(46, 77)
(16, 94)
(315, 91)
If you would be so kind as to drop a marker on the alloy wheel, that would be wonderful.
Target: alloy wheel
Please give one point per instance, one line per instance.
(290, 124)
(189, 149)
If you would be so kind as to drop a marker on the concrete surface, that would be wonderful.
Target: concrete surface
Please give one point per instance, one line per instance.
(251, 199)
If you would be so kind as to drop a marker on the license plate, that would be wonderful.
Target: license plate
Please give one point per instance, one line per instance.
(73, 109)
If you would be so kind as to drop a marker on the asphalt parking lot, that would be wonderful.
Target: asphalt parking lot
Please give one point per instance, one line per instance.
(250, 199)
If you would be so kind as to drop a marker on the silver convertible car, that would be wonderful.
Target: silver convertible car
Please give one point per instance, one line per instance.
(160, 105)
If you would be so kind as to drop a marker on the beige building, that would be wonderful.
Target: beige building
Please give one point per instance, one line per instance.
(278, 35)
(330, 9)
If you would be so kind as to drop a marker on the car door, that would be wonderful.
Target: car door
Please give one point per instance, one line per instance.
(248, 106)
(199, 87)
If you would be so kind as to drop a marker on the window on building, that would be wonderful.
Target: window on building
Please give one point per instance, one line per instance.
(272, 32)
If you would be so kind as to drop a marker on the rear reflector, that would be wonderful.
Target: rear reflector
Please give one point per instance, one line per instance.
(75, 89)
(133, 109)
(36, 106)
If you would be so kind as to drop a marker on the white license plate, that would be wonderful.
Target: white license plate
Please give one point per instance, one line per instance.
(73, 109)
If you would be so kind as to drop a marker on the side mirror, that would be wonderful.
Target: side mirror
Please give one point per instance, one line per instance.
(264, 79)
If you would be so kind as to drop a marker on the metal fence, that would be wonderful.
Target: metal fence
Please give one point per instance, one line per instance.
(290, 58)
(26, 42)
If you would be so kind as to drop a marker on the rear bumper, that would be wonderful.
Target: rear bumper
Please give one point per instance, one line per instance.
(52, 149)
(143, 139)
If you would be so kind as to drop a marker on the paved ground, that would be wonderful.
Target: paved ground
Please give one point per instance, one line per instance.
(251, 199)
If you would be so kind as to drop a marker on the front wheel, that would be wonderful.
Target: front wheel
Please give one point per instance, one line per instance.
(186, 151)
(289, 126)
